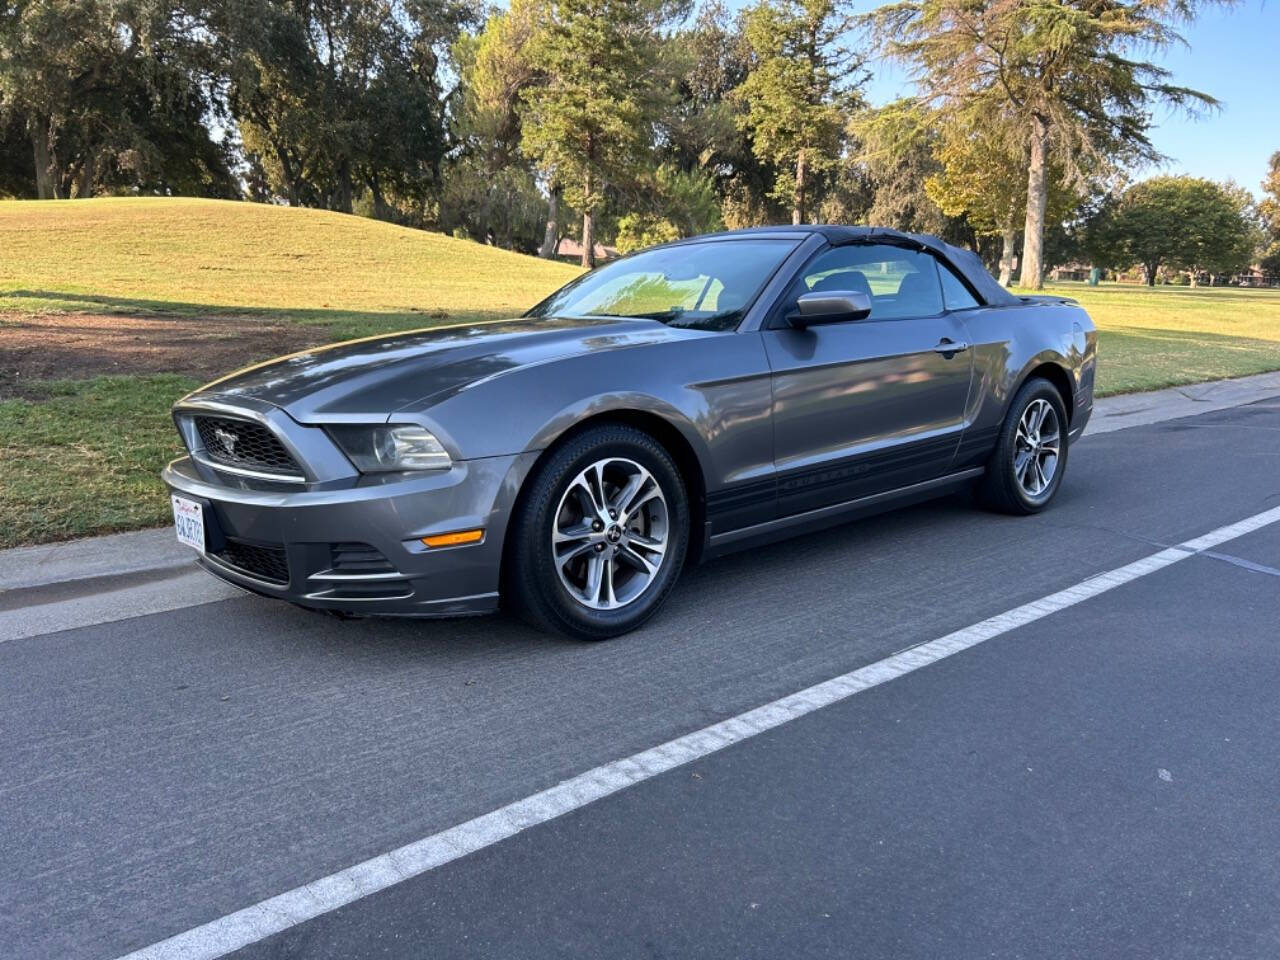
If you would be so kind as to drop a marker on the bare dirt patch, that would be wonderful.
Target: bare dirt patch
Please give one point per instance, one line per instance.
(36, 347)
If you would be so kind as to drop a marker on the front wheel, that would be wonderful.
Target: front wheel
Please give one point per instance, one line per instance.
(600, 536)
(1026, 469)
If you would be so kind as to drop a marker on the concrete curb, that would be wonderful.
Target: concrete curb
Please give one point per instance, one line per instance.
(91, 558)
(121, 560)
(1139, 409)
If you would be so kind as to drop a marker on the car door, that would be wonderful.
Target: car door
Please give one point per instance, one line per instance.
(865, 406)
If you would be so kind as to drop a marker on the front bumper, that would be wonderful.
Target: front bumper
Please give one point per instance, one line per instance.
(313, 529)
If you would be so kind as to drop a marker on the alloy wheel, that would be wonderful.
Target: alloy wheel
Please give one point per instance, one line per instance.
(610, 535)
(1036, 448)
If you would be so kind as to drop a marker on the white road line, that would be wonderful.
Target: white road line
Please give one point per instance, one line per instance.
(262, 920)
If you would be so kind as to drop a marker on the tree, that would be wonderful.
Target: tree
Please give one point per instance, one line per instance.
(17, 169)
(490, 190)
(1180, 223)
(701, 134)
(1065, 69)
(496, 68)
(111, 96)
(1270, 263)
(335, 97)
(590, 123)
(637, 231)
(665, 204)
(895, 148)
(706, 62)
(981, 160)
(802, 84)
(1269, 214)
(1269, 209)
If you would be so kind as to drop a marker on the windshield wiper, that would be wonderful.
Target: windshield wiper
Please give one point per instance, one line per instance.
(663, 316)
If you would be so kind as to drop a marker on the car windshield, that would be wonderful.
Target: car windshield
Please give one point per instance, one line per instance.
(705, 286)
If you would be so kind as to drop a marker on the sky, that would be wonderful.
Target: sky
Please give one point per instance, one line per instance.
(1231, 55)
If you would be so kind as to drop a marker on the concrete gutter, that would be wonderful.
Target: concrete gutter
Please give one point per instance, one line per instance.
(1139, 409)
(93, 557)
(58, 572)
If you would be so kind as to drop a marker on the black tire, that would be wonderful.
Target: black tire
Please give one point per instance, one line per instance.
(1000, 489)
(532, 583)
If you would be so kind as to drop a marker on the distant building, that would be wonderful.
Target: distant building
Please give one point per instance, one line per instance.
(570, 249)
(1253, 277)
(1070, 271)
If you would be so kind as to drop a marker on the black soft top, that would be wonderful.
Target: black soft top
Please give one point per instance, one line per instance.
(964, 262)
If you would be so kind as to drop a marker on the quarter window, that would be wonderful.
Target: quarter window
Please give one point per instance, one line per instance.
(901, 283)
(955, 294)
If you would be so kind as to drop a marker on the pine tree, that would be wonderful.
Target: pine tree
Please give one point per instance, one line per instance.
(802, 84)
(590, 123)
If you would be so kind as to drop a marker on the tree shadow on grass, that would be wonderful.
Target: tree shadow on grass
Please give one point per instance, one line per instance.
(344, 324)
(1209, 296)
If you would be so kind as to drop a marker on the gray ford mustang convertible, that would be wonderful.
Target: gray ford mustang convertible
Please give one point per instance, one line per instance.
(683, 402)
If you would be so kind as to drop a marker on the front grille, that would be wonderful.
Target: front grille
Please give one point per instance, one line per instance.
(243, 443)
(358, 558)
(263, 562)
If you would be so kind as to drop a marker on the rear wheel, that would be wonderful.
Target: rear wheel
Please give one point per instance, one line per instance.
(600, 536)
(1026, 469)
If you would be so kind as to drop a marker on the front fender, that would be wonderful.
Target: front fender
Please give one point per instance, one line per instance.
(714, 390)
(569, 416)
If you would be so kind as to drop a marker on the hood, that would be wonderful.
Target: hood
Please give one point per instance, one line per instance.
(379, 375)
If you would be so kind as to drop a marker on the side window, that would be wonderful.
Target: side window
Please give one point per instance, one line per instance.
(901, 283)
(955, 294)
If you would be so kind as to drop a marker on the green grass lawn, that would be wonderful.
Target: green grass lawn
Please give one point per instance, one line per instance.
(86, 459)
(188, 257)
(1152, 337)
(81, 456)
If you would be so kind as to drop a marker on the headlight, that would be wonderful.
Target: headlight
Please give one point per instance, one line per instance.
(390, 448)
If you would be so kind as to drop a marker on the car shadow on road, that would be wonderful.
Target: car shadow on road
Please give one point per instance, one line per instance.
(833, 570)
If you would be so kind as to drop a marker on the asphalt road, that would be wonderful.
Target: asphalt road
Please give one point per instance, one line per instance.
(1101, 783)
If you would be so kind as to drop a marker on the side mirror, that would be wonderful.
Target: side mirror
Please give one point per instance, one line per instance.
(830, 306)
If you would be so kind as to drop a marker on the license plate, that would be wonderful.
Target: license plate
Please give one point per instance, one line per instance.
(188, 517)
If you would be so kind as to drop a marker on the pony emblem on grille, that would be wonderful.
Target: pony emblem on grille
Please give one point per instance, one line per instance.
(228, 441)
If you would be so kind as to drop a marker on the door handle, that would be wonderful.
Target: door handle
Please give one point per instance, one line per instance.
(949, 347)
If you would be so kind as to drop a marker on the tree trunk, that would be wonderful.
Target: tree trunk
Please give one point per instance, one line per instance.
(46, 182)
(588, 240)
(552, 235)
(1150, 270)
(343, 194)
(588, 226)
(381, 209)
(84, 182)
(798, 211)
(290, 178)
(1037, 197)
(1008, 237)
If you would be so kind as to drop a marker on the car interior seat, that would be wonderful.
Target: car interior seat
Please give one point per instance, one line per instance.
(854, 281)
(918, 294)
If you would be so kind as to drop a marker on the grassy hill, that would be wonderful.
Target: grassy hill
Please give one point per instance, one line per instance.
(189, 257)
(111, 309)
